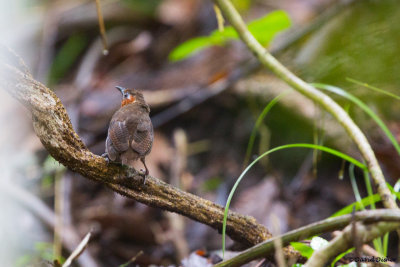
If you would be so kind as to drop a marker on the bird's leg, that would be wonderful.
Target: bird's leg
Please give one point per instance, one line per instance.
(147, 170)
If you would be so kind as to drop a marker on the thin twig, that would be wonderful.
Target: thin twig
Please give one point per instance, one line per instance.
(176, 222)
(220, 18)
(78, 251)
(356, 240)
(102, 27)
(279, 257)
(133, 259)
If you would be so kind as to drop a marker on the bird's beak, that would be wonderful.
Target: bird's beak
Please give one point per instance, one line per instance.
(122, 89)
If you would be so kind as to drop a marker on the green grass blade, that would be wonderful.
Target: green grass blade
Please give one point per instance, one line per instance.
(366, 201)
(364, 107)
(354, 186)
(341, 256)
(368, 185)
(374, 88)
(260, 119)
(312, 146)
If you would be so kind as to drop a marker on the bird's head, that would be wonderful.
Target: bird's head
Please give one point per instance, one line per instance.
(131, 96)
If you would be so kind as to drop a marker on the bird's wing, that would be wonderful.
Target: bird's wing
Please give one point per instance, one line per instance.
(143, 137)
(111, 152)
(119, 136)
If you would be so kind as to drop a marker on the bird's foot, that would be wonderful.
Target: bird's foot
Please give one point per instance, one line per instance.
(105, 156)
(109, 161)
(130, 172)
(144, 174)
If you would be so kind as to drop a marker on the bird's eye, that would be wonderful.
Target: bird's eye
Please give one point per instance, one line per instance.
(126, 95)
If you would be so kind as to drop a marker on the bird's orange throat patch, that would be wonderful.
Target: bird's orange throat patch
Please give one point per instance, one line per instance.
(128, 100)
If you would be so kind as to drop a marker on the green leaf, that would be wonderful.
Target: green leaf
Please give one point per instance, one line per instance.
(190, 47)
(264, 29)
(305, 250)
(394, 192)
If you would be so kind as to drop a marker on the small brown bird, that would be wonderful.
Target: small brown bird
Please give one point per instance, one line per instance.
(130, 134)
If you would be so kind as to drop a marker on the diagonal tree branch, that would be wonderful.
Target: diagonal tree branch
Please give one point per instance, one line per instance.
(54, 129)
(354, 132)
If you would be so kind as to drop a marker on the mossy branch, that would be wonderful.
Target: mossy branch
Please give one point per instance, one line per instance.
(54, 129)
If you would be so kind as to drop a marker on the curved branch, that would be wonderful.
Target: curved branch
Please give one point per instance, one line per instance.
(54, 129)
(311, 92)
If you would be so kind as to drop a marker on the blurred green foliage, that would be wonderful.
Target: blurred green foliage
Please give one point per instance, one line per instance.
(43, 251)
(148, 7)
(263, 29)
(66, 57)
(241, 5)
(51, 168)
(362, 43)
(364, 107)
(212, 184)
